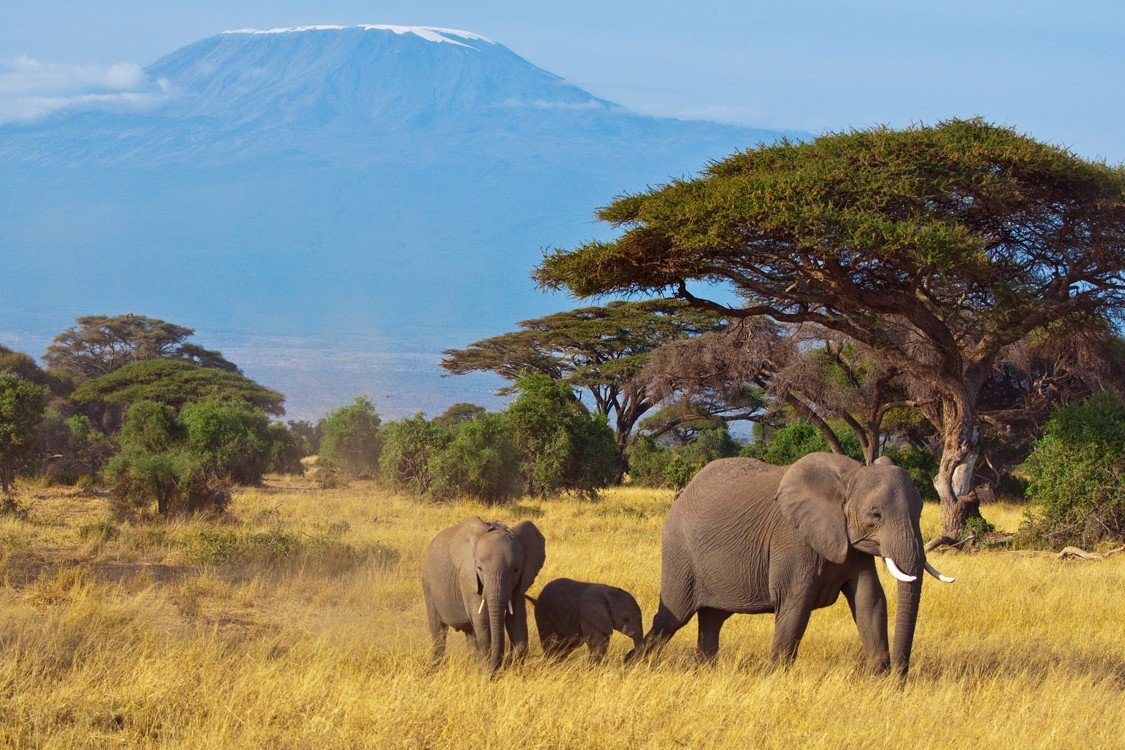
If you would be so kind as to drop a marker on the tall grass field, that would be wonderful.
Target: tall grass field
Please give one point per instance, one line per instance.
(299, 623)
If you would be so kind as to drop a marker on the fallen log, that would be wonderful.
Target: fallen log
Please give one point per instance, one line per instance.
(1076, 553)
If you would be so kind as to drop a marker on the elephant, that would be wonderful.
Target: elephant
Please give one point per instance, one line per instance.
(569, 613)
(748, 537)
(474, 578)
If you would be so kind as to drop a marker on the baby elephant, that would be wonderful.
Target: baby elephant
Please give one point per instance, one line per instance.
(569, 613)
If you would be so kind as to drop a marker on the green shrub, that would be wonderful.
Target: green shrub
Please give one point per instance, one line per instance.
(21, 407)
(409, 445)
(230, 438)
(798, 439)
(155, 464)
(647, 460)
(654, 466)
(562, 446)
(350, 439)
(287, 448)
(1076, 476)
(70, 449)
(480, 461)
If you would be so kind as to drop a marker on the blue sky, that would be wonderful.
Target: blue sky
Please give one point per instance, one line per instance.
(1053, 69)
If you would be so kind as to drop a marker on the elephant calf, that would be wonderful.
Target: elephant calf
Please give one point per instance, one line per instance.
(569, 613)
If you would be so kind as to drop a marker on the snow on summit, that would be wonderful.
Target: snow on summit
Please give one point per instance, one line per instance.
(429, 33)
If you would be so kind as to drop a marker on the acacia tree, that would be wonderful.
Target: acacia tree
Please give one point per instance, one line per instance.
(935, 247)
(100, 344)
(599, 349)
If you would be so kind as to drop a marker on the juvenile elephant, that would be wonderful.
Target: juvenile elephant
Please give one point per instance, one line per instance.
(569, 613)
(748, 537)
(474, 579)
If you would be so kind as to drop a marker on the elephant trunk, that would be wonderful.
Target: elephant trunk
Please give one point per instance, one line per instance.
(907, 566)
(497, 595)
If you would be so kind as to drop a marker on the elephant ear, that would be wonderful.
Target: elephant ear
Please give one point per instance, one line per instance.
(464, 552)
(534, 552)
(812, 495)
(594, 609)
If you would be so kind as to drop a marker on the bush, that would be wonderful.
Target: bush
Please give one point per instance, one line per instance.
(408, 447)
(287, 448)
(71, 450)
(1076, 476)
(155, 463)
(230, 438)
(798, 439)
(350, 439)
(647, 460)
(562, 446)
(654, 466)
(21, 407)
(480, 461)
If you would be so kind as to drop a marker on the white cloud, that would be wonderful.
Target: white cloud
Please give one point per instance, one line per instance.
(30, 89)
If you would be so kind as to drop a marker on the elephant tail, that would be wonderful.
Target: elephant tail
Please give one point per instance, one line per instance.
(530, 599)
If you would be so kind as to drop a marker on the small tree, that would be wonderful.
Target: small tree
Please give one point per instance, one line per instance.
(21, 408)
(458, 413)
(350, 439)
(1076, 475)
(408, 446)
(287, 448)
(231, 438)
(562, 446)
(480, 462)
(156, 464)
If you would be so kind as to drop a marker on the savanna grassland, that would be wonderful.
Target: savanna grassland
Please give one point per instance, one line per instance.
(299, 623)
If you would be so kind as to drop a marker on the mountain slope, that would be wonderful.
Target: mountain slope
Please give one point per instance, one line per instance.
(387, 186)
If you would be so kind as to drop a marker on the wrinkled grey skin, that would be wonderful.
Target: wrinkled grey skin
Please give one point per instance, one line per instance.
(474, 561)
(748, 537)
(569, 613)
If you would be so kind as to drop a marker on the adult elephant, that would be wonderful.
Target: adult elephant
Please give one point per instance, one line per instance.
(474, 579)
(749, 537)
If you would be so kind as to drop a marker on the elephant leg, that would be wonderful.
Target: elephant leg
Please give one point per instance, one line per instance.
(437, 631)
(788, 629)
(710, 623)
(598, 643)
(664, 625)
(869, 610)
(516, 625)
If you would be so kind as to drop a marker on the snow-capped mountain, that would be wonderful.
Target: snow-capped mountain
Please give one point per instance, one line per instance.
(392, 183)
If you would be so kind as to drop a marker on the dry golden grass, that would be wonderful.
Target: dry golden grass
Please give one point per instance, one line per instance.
(125, 640)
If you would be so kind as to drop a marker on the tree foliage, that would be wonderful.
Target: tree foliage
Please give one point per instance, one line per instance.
(562, 446)
(1076, 475)
(934, 247)
(100, 344)
(350, 440)
(408, 447)
(22, 403)
(479, 461)
(175, 383)
(231, 438)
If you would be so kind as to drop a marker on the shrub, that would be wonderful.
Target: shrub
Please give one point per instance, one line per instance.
(654, 466)
(155, 463)
(21, 407)
(480, 461)
(562, 446)
(287, 448)
(1076, 476)
(798, 439)
(408, 447)
(71, 450)
(350, 439)
(647, 460)
(230, 438)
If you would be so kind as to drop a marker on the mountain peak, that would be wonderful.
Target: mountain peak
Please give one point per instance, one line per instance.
(435, 34)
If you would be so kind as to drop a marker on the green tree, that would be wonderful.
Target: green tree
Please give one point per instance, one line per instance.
(21, 408)
(408, 446)
(458, 413)
(175, 383)
(562, 446)
(155, 463)
(480, 461)
(935, 247)
(287, 448)
(350, 439)
(599, 349)
(100, 344)
(231, 438)
(1076, 475)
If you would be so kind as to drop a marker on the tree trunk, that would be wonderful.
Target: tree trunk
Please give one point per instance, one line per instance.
(954, 480)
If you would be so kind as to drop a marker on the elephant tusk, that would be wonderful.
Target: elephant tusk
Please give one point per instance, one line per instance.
(510, 610)
(481, 607)
(938, 574)
(898, 573)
